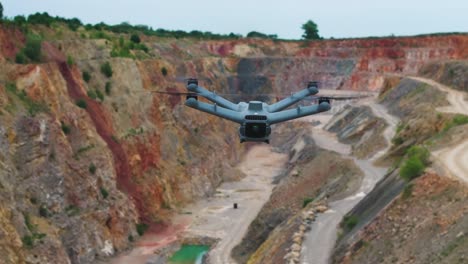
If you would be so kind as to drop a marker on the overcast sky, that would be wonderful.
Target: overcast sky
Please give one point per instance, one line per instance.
(335, 18)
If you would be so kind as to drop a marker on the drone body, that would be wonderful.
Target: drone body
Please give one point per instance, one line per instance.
(255, 117)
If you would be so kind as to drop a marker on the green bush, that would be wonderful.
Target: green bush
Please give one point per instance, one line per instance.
(86, 76)
(350, 221)
(65, 128)
(28, 241)
(108, 88)
(32, 49)
(141, 228)
(70, 60)
(100, 95)
(92, 94)
(135, 38)
(92, 168)
(104, 192)
(43, 211)
(420, 152)
(306, 201)
(106, 69)
(411, 168)
(164, 71)
(81, 103)
(20, 58)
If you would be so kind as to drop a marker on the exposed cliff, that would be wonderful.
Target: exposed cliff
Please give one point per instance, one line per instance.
(86, 155)
(396, 206)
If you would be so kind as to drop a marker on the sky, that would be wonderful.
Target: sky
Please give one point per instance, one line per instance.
(335, 18)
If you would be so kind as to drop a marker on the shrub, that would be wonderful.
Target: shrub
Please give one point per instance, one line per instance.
(412, 168)
(81, 103)
(92, 94)
(20, 58)
(92, 168)
(397, 140)
(164, 71)
(135, 38)
(32, 49)
(100, 95)
(420, 152)
(108, 88)
(141, 228)
(43, 211)
(65, 128)
(104, 192)
(106, 69)
(70, 60)
(28, 241)
(350, 221)
(306, 201)
(86, 76)
(130, 238)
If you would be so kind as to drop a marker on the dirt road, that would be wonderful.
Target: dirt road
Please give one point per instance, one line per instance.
(216, 217)
(454, 159)
(320, 241)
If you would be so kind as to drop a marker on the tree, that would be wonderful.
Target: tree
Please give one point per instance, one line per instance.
(135, 38)
(1, 11)
(310, 30)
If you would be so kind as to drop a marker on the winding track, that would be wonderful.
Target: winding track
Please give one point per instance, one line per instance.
(320, 240)
(454, 159)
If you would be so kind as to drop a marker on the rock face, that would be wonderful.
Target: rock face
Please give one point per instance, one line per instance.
(85, 159)
(359, 127)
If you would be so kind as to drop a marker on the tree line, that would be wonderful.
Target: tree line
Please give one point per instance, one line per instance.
(44, 18)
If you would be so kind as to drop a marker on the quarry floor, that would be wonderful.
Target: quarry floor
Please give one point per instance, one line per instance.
(215, 217)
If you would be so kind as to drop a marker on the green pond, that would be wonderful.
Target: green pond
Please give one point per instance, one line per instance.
(189, 254)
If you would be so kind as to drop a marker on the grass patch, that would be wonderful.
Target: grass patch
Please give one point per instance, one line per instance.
(29, 240)
(452, 246)
(407, 191)
(72, 210)
(457, 120)
(31, 106)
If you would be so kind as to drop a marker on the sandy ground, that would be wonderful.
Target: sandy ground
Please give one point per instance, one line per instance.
(319, 242)
(216, 217)
(454, 159)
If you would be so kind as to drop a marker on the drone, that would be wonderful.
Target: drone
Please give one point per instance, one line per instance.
(255, 117)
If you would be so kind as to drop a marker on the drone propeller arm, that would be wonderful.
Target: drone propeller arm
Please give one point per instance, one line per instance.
(215, 110)
(286, 102)
(290, 114)
(213, 97)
